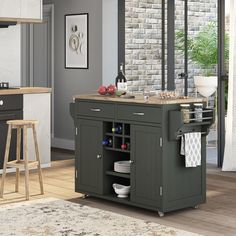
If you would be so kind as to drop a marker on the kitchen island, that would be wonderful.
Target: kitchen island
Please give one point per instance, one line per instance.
(151, 131)
(29, 103)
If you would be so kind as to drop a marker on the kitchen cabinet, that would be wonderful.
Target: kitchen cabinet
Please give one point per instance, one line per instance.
(10, 9)
(146, 163)
(21, 10)
(89, 150)
(11, 108)
(31, 9)
(29, 103)
(158, 177)
(37, 106)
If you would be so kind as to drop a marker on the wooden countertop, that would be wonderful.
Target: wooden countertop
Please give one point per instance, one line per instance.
(154, 100)
(25, 90)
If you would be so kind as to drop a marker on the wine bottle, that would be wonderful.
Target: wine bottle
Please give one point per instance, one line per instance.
(125, 146)
(121, 76)
(117, 129)
(107, 142)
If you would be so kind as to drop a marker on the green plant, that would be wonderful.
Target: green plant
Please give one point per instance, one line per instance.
(203, 47)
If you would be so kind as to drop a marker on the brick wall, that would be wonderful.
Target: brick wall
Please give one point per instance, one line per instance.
(143, 40)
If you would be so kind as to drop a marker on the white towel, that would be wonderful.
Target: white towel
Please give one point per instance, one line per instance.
(191, 149)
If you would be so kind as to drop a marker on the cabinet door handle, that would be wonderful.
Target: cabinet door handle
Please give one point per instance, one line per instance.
(95, 109)
(99, 156)
(138, 114)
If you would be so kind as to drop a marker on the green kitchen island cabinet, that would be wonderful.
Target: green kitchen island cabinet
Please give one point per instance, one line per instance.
(151, 132)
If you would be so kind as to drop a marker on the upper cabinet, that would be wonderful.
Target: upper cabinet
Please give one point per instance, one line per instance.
(10, 9)
(21, 11)
(31, 9)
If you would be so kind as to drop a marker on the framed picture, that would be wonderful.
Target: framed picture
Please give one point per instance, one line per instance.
(76, 41)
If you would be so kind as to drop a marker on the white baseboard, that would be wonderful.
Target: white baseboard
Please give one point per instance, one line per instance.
(12, 170)
(63, 143)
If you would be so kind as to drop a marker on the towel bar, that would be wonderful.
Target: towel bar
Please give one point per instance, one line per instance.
(180, 135)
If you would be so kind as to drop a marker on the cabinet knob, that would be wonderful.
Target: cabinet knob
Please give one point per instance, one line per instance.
(99, 156)
(131, 162)
(1, 102)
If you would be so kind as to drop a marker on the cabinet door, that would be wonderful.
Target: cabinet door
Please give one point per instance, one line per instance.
(145, 170)
(31, 9)
(89, 156)
(10, 9)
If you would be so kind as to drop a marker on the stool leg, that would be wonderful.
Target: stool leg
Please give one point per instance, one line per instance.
(38, 159)
(18, 151)
(5, 160)
(26, 164)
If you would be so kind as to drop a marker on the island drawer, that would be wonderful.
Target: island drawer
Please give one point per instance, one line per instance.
(139, 113)
(95, 109)
(11, 102)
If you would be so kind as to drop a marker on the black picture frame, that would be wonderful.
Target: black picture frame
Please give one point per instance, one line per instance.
(73, 43)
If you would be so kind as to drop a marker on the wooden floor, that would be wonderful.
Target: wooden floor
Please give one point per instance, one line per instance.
(217, 217)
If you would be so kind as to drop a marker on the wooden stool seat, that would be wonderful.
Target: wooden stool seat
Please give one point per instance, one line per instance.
(23, 163)
(19, 123)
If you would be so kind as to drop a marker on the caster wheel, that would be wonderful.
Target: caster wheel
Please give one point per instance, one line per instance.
(196, 207)
(85, 196)
(161, 214)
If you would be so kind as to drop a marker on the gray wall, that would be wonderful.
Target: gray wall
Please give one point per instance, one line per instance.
(69, 82)
(110, 40)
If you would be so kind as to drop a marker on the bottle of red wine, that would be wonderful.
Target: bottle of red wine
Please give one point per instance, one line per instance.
(121, 76)
(117, 129)
(107, 142)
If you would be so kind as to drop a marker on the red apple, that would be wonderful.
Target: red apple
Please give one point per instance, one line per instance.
(111, 89)
(102, 90)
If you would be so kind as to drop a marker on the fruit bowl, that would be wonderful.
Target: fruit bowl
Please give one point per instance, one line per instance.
(122, 191)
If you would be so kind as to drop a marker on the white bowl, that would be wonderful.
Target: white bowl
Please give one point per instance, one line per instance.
(122, 191)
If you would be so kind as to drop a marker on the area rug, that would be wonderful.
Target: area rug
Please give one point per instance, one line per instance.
(52, 217)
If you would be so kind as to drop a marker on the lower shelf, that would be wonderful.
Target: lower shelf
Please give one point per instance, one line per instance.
(117, 174)
(113, 197)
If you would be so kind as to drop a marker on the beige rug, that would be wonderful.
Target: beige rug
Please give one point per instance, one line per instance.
(52, 217)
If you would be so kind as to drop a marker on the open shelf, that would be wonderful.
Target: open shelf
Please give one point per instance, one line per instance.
(118, 135)
(117, 150)
(117, 174)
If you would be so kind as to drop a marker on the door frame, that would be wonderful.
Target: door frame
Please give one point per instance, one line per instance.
(222, 77)
(27, 53)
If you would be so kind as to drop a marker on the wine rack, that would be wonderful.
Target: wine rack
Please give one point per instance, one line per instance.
(118, 137)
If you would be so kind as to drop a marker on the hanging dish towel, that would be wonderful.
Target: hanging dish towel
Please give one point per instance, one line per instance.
(191, 149)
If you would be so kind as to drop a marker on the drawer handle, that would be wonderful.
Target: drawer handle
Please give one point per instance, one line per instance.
(138, 114)
(95, 109)
(1, 102)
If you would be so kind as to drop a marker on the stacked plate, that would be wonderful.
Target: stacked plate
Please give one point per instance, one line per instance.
(122, 167)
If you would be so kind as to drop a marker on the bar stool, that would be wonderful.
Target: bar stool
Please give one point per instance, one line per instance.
(24, 163)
